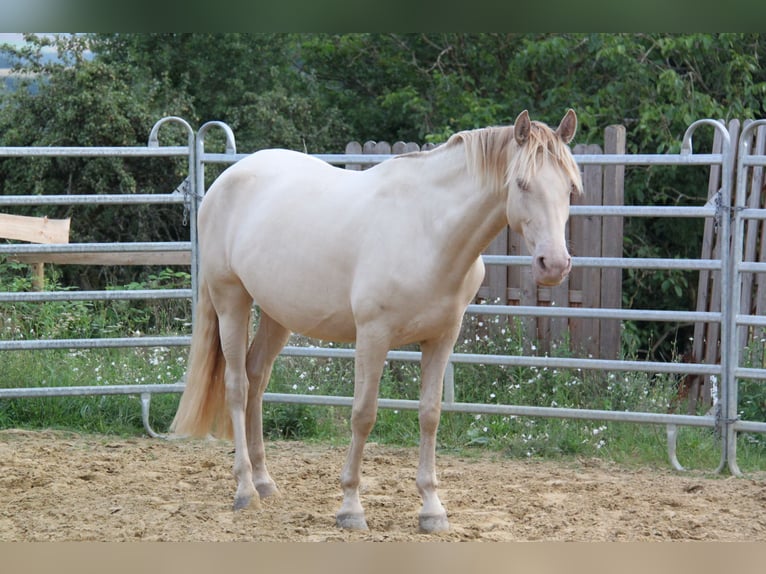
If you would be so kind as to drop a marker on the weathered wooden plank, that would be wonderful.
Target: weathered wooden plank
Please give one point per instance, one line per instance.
(576, 242)
(372, 147)
(496, 276)
(527, 294)
(591, 247)
(706, 335)
(34, 229)
(749, 249)
(514, 271)
(354, 148)
(558, 327)
(108, 258)
(612, 244)
(401, 147)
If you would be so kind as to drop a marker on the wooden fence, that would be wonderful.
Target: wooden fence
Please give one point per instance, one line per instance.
(588, 236)
(706, 346)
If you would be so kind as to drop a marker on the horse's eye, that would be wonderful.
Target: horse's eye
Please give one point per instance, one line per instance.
(523, 185)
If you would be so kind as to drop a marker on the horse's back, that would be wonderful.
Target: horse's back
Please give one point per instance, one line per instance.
(266, 194)
(279, 223)
(273, 171)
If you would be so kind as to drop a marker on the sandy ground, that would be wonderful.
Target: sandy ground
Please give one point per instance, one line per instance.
(58, 486)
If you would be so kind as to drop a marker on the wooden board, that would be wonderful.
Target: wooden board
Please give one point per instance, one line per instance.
(34, 229)
(108, 258)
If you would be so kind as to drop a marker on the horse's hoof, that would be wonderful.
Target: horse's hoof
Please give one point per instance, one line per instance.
(433, 523)
(351, 521)
(242, 502)
(267, 489)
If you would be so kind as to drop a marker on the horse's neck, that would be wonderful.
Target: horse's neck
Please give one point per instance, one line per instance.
(471, 216)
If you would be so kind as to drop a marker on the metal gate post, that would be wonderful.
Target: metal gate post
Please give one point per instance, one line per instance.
(730, 291)
(728, 309)
(154, 142)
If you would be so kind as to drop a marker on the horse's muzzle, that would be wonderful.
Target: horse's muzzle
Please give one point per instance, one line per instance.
(552, 270)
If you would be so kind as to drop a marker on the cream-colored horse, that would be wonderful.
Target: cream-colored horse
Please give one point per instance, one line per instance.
(382, 257)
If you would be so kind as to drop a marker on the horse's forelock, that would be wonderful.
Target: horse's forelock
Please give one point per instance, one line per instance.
(542, 143)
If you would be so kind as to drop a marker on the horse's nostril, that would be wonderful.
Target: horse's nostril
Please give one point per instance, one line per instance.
(541, 262)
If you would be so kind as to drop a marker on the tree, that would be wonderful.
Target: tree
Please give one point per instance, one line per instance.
(76, 101)
(249, 81)
(314, 92)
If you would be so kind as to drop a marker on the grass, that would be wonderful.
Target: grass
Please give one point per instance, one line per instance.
(522, 437)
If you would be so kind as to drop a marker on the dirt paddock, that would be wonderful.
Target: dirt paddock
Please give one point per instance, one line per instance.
(58, 486)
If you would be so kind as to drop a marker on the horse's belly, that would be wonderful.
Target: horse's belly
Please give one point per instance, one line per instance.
(307, 311)
(338, 328)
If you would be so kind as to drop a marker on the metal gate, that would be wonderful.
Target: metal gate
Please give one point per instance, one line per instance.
(729, 211)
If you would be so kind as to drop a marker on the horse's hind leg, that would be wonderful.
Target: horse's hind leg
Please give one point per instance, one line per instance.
(233, 305)
(269, 340)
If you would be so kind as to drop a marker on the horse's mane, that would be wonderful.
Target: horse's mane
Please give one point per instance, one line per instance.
(494, 154)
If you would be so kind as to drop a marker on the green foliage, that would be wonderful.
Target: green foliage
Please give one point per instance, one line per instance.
(249, 81)
(289, 422)
(751, 400)
(89, 367)
(86, 367)
(314, 92)
(77, 101)
(92, 319)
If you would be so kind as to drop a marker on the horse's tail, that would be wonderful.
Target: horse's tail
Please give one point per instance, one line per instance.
(202, 409)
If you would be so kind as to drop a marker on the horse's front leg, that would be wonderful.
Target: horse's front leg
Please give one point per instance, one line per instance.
(368, 365)
(435, 355)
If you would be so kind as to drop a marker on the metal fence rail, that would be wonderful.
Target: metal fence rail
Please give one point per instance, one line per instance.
(729, 265)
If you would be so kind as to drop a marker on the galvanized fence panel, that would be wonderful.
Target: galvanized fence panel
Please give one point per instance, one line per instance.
(723, 419)
(153, 149)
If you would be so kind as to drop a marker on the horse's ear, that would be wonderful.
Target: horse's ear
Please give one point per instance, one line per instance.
(521, 127)
(568, 126)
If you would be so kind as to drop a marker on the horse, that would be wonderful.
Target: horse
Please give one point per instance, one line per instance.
(384, 257)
